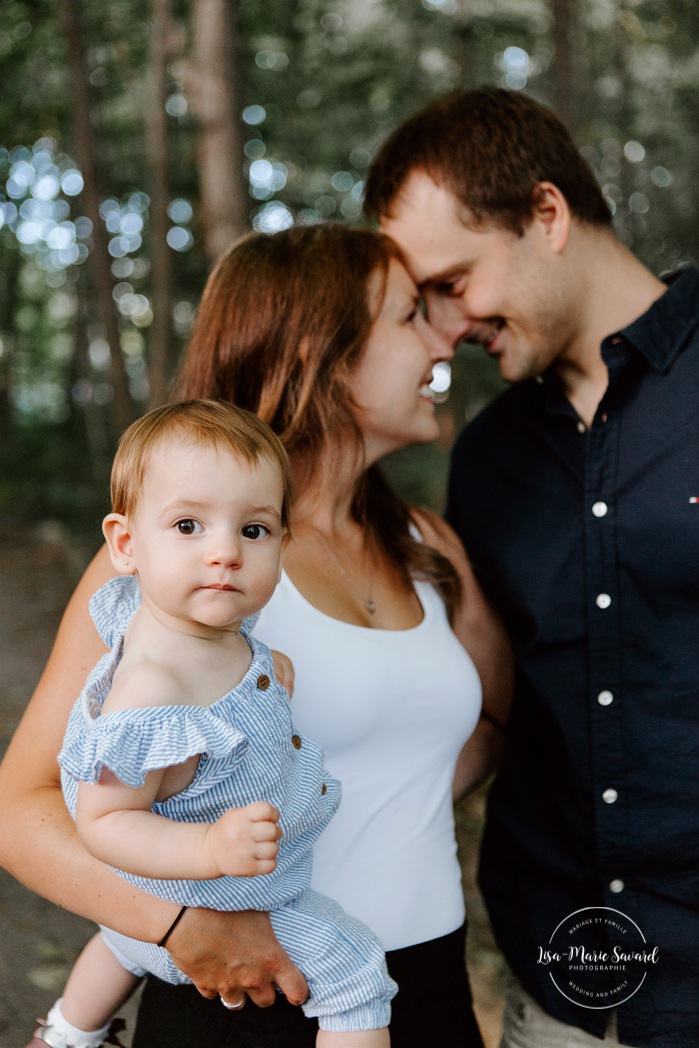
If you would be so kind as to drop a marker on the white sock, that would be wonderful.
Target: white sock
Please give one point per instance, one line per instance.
(59, 1033)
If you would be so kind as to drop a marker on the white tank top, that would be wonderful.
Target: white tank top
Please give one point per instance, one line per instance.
(392, 710)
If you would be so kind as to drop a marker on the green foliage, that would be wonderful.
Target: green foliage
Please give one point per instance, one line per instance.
(332, 78)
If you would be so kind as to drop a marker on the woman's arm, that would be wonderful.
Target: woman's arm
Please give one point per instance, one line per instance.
(39, 845)
(482, 634)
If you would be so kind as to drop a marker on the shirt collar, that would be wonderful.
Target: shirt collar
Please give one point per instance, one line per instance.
(662, 331)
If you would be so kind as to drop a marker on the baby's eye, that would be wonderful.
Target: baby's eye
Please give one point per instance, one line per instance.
(255, 531)
(187, 526)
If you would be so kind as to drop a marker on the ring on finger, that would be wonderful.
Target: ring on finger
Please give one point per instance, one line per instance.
(235, 1006)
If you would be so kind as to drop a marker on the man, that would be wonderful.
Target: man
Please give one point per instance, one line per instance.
(576, 494)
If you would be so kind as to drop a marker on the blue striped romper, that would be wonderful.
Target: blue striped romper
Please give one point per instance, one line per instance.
(250, 751)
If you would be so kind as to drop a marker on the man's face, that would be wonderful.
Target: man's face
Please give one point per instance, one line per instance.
(484, 285)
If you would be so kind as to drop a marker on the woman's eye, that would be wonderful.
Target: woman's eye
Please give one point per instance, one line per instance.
(410, 317)
(255, 531)
(188, 527)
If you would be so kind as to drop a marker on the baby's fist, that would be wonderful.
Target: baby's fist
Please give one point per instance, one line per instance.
(244, 841)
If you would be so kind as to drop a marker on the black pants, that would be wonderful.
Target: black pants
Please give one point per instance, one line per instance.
(431, 1010)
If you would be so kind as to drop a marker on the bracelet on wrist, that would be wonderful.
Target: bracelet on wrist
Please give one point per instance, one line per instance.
(172, 927)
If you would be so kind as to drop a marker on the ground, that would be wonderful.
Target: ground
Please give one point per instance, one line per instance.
(38, 941)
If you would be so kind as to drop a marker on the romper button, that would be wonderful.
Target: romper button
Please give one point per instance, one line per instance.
(296, 742)
(616, 886)
(263, 682)
(323, 789)
(609, 796)
(603, 600)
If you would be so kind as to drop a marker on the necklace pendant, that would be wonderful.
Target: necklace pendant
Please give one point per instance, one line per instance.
(370, 606)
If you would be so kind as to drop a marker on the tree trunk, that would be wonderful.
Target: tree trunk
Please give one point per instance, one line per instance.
(625, 122)
(157, 153)
(566, 67)
(463, 25)
(224, 199)
(9, 278)
(85, 152)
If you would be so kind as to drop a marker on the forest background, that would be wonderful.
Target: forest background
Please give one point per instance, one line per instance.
(138, 138)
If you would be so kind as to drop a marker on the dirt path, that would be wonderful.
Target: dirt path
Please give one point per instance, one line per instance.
(38, 941)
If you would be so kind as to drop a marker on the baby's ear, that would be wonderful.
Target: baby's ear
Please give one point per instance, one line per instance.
(117, 532)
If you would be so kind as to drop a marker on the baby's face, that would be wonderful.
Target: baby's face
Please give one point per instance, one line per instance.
(207, 535)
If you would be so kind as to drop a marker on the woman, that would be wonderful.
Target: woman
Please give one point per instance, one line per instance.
(318, 330)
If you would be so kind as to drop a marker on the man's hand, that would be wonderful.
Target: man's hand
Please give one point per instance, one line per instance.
(243, 842)
(235, 954)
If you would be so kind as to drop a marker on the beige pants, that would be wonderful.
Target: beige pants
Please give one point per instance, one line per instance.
(527, 1025)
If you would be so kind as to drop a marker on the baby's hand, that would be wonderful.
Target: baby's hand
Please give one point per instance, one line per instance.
(284, 671)
(243, 842)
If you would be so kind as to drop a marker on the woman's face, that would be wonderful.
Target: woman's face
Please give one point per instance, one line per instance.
(390, 385)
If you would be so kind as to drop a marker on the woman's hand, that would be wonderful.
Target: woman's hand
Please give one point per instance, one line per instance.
(232, 955)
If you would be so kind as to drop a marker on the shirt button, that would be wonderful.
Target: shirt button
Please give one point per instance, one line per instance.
(609, 796)
(582, 428)
(603, 600)
(323, 789)
(605, 698)
(296, 742)
(600, 509)
(539, 380)
(263, 682)
(616, 886)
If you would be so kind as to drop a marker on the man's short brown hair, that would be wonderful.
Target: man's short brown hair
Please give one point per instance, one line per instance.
(489, 147)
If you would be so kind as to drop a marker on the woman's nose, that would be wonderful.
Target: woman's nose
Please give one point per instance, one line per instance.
(439, 347)
(448, 319)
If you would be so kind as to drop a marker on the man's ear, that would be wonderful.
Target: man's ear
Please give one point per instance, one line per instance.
(117, 532)
(551, 211)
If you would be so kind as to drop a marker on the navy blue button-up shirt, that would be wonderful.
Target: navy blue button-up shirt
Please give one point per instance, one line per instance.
(588, 543)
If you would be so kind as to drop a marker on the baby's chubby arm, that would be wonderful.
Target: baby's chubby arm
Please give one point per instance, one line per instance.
(116, 825)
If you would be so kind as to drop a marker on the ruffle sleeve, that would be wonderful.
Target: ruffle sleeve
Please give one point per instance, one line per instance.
(131, 743)
(113, 606)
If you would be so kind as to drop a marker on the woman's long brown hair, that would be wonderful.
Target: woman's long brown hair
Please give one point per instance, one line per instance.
(280, 329)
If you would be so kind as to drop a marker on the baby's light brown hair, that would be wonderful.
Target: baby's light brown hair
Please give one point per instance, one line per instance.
(201, 423)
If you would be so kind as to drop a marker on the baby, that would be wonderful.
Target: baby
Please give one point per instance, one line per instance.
(181, 765)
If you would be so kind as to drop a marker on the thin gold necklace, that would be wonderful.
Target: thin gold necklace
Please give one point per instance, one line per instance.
(369, 602)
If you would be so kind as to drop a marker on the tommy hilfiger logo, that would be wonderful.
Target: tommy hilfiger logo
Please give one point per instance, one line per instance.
(694, 498)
